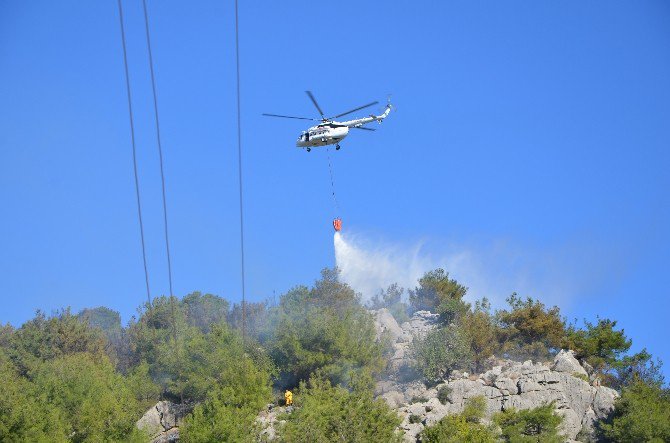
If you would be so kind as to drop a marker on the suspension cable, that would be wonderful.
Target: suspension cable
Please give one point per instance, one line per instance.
(160, 156)
(239, 157)
(332, 184)
(132, 138)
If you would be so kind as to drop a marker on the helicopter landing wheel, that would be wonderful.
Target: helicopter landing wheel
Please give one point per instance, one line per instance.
(337, 147)
(309, 149)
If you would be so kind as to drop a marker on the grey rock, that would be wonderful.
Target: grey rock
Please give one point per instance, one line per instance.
(437, 411)
(529, 385)
(534, 399)
(412, 431)
(589, 424)
(169, 436)
(491, 376)
(394, 399)
(385, 323)
(417, 409)
(572, 422)
(384, 386)
(161, 422)
(504, 383)
(150, 422)
(268, 422)
(566, 362)
(603, 401)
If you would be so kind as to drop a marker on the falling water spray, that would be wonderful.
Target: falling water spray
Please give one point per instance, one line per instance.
(368, 269)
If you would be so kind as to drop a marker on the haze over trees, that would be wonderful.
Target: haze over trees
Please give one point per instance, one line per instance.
(88, 378)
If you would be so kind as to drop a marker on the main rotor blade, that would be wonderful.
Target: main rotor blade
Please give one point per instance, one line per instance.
(288, 116)
(309, 93)
(354, 110)
(363, 128)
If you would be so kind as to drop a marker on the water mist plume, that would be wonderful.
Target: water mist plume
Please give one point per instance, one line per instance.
(493, 272)
(367, 270)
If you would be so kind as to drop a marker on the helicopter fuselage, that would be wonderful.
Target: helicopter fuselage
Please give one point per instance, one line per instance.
(332, 132)
(322, 135)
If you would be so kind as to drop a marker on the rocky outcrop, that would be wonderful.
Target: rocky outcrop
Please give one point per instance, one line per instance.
(566, 362)
(269, 422)
(400, 365)
(386, 325)
(512, 385)
(162, 421)
(507, 384)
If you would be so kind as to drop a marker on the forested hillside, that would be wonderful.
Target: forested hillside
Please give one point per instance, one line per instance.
(86, 377)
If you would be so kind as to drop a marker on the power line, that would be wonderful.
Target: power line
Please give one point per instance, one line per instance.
(132, 137)
(239, 157)
(160, 156)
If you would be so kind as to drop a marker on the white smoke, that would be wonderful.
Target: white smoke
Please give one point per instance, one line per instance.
(493, 272)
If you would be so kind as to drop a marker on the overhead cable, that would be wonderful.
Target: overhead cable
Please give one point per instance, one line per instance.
(239, 160)
(132, 138)
(160, 157)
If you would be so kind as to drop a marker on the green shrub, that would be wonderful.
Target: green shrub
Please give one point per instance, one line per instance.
(530, 425)
(529, 329)
(45, 338)
(324, 329)
(202, 311)
(461, 428)
(482, 333)
(474, 409)
(61, 386)
(23, 417)
(93, 400)
(414, 419)
(191, 367)
(642, 413)
(140, 383)
(229, 413)
(443, 394)
(326, 413)
(438, 293)
(441, 351)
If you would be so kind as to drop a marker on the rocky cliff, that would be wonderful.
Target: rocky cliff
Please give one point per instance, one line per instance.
(507, 384)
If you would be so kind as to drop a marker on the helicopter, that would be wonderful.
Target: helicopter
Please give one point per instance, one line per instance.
(329, 131)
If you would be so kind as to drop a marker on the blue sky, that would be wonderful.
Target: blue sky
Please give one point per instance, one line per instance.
(533, 135)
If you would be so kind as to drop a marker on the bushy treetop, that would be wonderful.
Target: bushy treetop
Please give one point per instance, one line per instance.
(327, 413)
(325, 328)
(45, 338)
(529, 329)
(642, 413)
(439, 293)
(540, 424)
